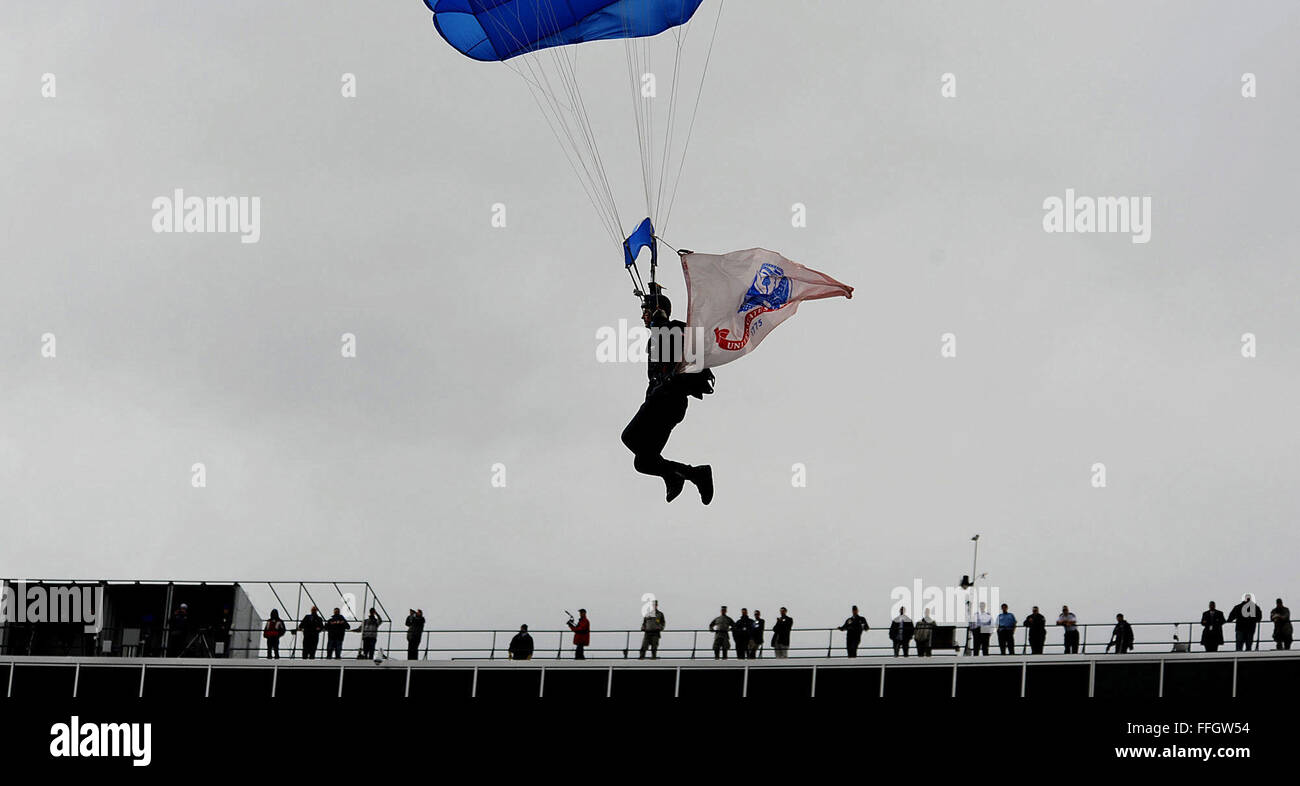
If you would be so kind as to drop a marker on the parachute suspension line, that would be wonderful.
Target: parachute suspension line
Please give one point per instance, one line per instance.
(546, 60)
(568, 69)
(566, 63)
(666, 243)
(655, 160)
(636, 54)
(679, 34)
(694, 112)
(581, 150)
(580, 142)
(650, 131)
(555, 120)
(601, 208)
(638, 288)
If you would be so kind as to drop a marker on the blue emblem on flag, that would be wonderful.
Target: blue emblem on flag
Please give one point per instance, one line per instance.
(770, 290)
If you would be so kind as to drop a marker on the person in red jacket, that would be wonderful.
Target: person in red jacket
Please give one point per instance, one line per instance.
(581, 634)
(272, 632)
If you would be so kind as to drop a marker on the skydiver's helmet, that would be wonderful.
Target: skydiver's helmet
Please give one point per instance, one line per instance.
(657, 303)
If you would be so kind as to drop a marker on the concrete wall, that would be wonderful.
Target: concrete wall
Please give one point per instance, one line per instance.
(1200, 675)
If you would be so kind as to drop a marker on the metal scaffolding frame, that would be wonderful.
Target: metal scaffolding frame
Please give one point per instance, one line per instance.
(266, 589)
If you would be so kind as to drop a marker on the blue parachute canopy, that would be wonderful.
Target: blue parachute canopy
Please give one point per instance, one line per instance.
(501, 29)
(643, 236)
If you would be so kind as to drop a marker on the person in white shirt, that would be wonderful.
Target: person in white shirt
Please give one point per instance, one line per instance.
(1070, 622)
(981, 629)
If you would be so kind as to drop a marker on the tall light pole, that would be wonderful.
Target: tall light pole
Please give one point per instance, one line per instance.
(970, 588)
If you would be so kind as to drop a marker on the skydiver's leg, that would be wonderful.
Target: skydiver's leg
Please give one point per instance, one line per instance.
(648, 431)
(647, 434)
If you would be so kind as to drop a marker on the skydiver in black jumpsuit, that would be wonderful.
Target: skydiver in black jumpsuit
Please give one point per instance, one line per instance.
(665, 401)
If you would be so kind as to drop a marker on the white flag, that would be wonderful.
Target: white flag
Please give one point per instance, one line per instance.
(734, 300)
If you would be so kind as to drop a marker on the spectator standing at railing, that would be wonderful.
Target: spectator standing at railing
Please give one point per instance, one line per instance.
(1036, 624)
(756, 635)
(1247, 615)
(981, 629)
(221, 637)
(742, 631)
(1212, 623)
(853, 628)
(178, 631)
(414, 632)
(581, 634)
(335, 627)
(150, 636)
(781, 634)
(370, 634)
(721, 627)
(901, 631)
(924, 634)
(521, 646)
(311, 626)
(1070, 622)
(1006, 632)
(273, 632)
(652, 625)
(1281, 618)
(1121, 637)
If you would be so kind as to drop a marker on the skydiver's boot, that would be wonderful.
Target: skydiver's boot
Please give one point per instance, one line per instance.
(675, 481)
(702, 477)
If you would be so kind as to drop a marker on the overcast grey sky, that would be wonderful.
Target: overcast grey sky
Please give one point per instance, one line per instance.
(476, 345)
